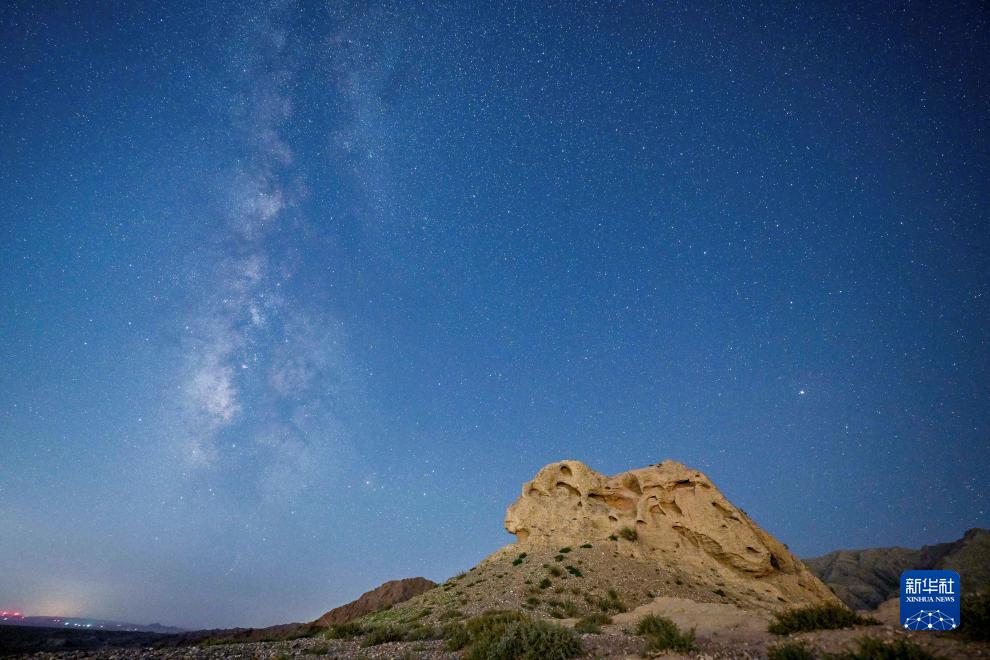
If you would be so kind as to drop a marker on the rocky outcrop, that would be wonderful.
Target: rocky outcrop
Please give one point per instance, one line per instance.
(388, 594)
(864, 579)
(666, 514)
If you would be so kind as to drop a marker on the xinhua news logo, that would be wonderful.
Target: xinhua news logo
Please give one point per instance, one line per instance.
(930, 600)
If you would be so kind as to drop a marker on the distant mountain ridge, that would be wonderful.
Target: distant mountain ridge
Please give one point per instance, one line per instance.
(385, 595)
(83, 623)
(865, 578)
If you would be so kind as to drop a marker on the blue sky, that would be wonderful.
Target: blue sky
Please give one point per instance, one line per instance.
(297, 295)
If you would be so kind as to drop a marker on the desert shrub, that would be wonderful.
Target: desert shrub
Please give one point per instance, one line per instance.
(610, 604)
(586, 545)
(321, 649)
(613, 537)
(871, 648)
(975, 616)
(662, 634)
(545, 583)
(348, 630)
(628, 533)
(564, 550)
(381, 634)
(395, 632)
(518, 560)
(719, 592)
(527, 639)
(554, 571)
(790, 651)
(456, 636)
(576, 572)
(451, 615)
(816, 617)
(592, 623)
(559, 558)
(481, 636)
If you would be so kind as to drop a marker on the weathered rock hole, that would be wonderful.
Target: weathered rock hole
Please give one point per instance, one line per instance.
(565, 470)
(632, 483)
(568, 489)
(774, 561)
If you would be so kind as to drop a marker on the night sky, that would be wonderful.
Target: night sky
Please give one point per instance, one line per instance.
(296, 296)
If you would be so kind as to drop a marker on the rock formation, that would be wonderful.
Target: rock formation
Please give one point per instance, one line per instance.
(668, 515)
(386, 595)
(864, 579)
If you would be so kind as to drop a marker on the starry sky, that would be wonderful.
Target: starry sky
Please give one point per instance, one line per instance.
(297, 295)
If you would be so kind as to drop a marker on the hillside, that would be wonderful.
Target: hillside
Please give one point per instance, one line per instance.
(863, 579)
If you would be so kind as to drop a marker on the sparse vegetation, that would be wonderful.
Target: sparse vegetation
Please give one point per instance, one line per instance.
(816, 617)
(559, 558)
(628, 533)
(586, 545)
(790, 651)
(518, 560)
(576, 572)
(613, 537)
(451, 615)
(321, 649)
(513, 636)
(719, 592)
(545, 583)
(871, 648)
(592, 623)
(554, 571)
(564, 550)
(662, 634)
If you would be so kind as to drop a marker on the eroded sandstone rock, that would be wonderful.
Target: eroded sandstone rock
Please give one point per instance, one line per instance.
(665, 513)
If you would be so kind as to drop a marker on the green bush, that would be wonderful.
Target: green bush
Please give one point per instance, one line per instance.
(457, 636)
(610, 604)
(348, 630)
(511, 636)
(381, 634)
(554, 571)
(870, 648)
(564, 550)
(613, 537)
(628, 533)
(518, 560)
(816, 617)
(975, 616)
(592, 623)
(662, 634)
(586, 545)
(394, 632)
(576, 572)
(790, 651)
(531, 640)
(545, 583)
